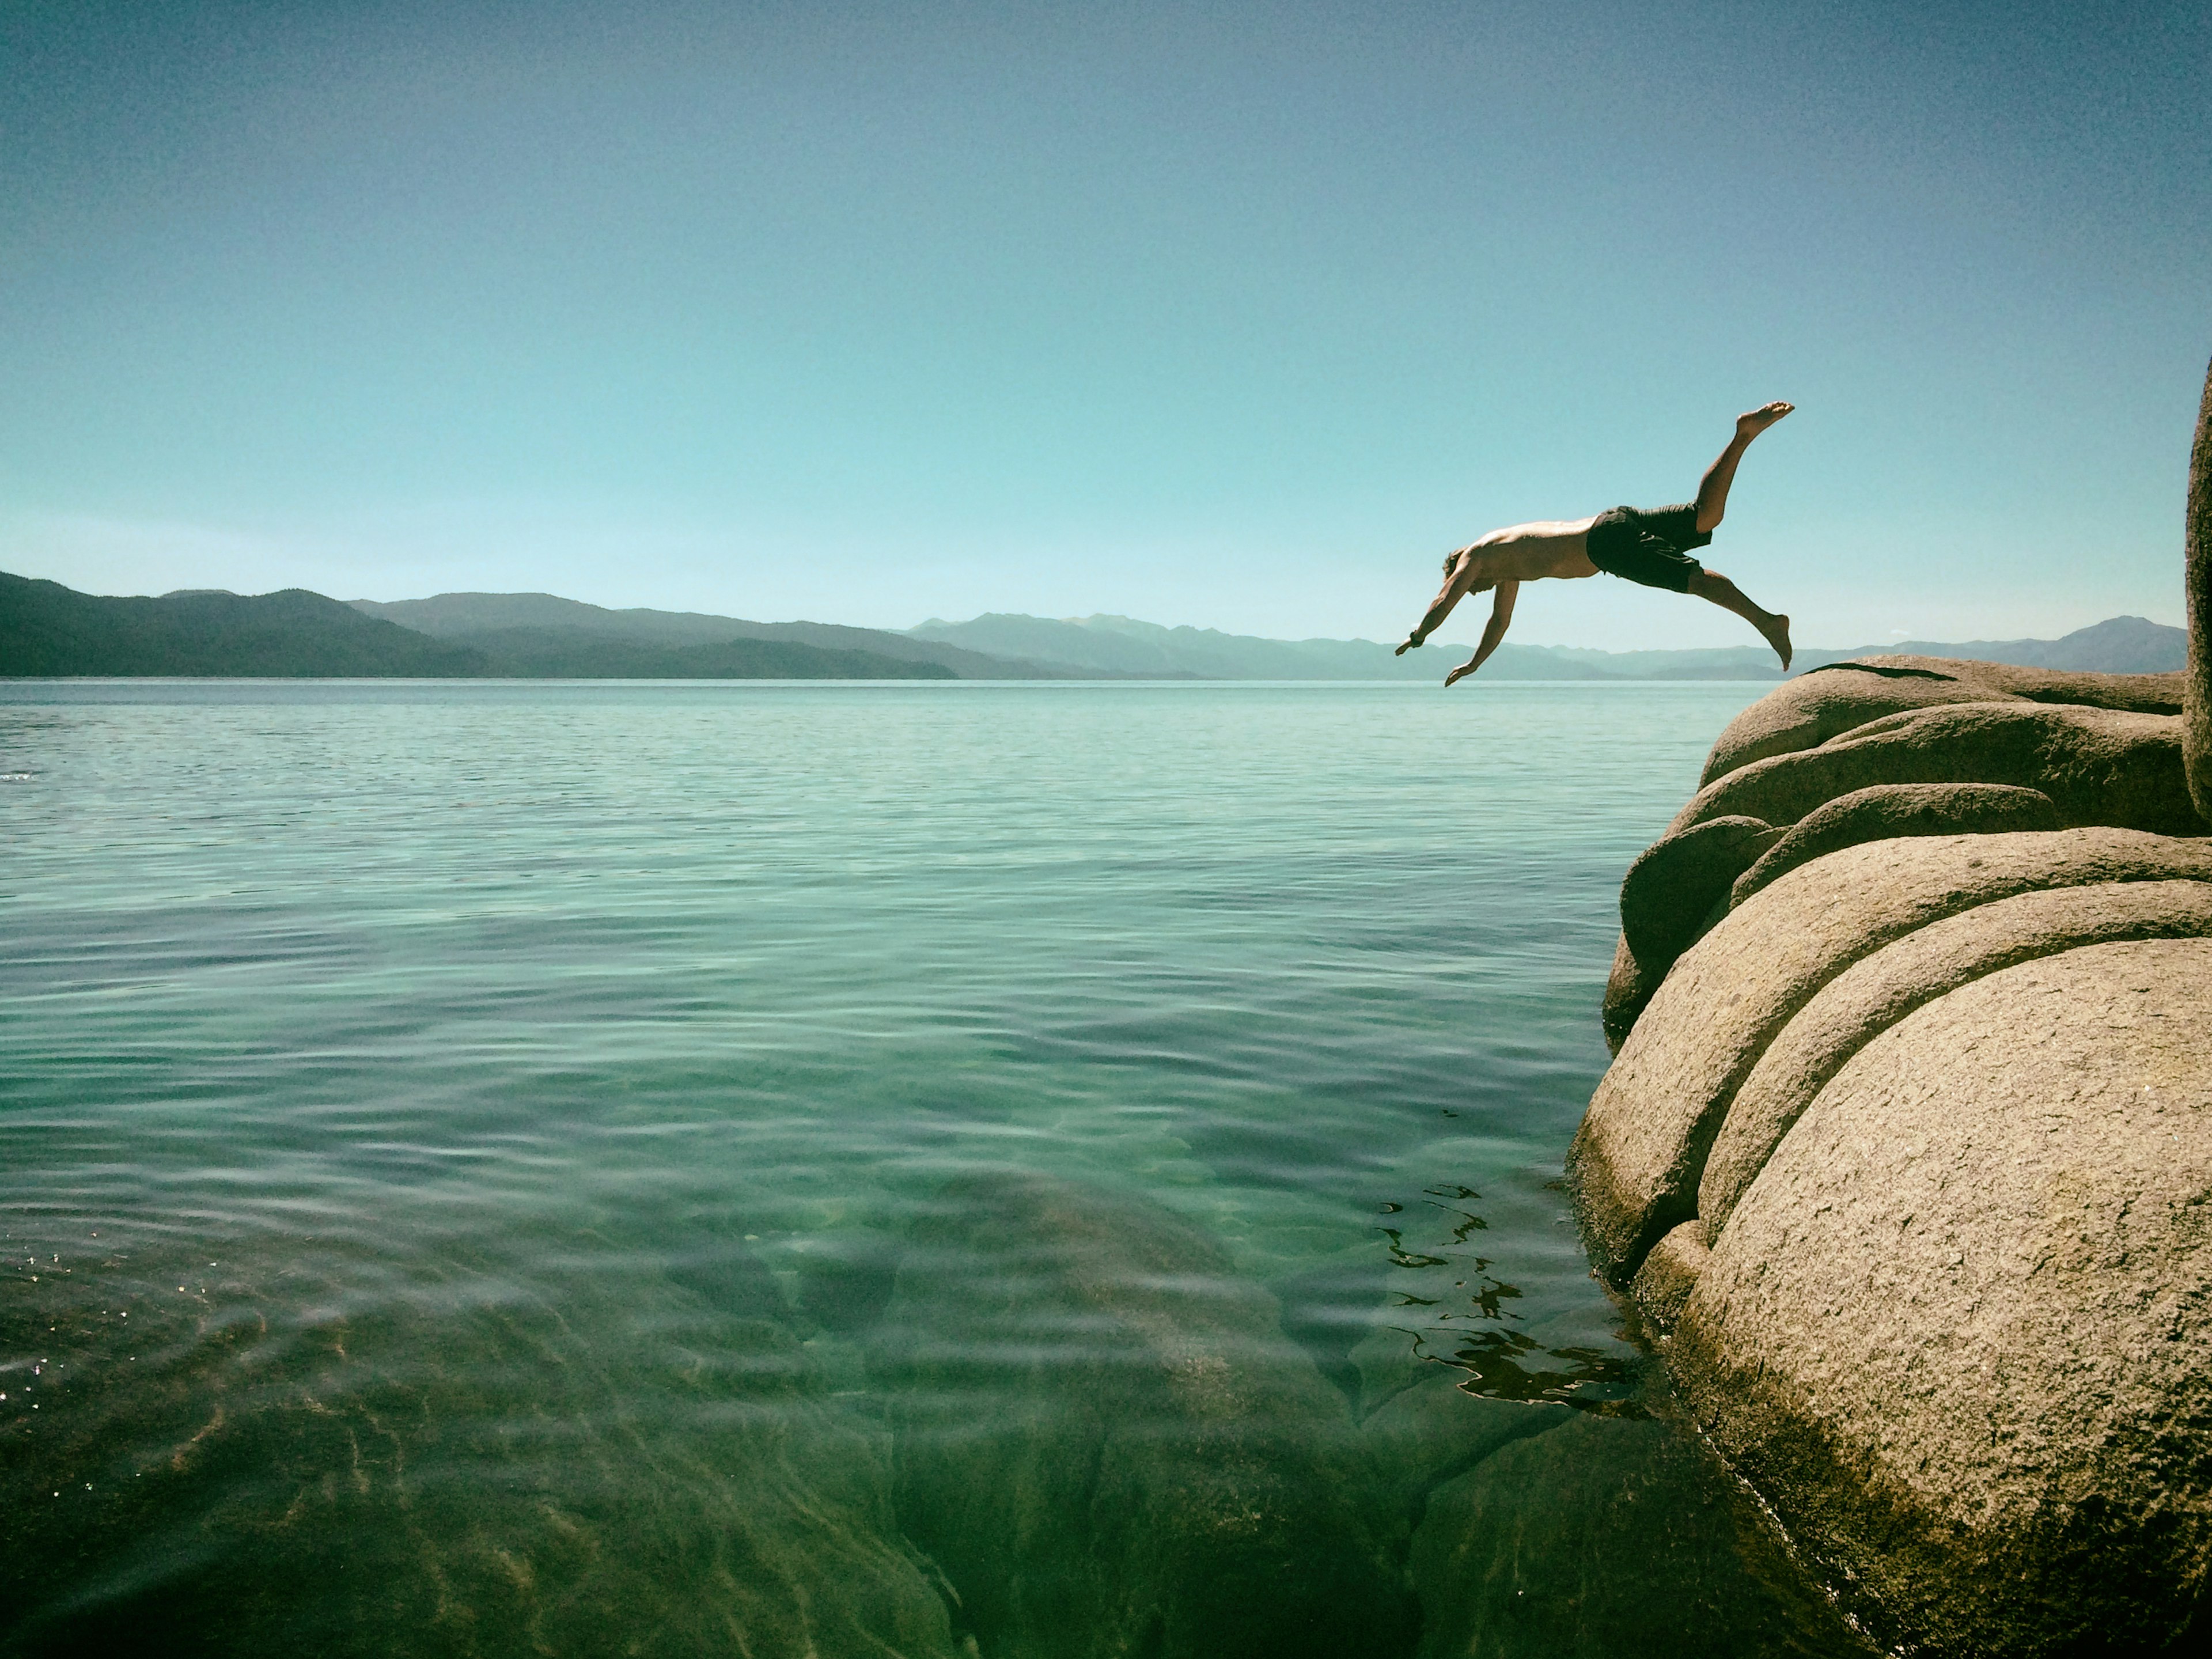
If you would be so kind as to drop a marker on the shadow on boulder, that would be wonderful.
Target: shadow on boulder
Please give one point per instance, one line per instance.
(1887, 812)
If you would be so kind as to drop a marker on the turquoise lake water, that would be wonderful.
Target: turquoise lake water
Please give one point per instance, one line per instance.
(929, 1169)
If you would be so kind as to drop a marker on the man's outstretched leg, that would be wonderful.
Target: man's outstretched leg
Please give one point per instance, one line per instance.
(1711, 585)
(1713, 488)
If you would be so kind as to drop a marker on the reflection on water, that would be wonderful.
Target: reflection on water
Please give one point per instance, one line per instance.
(1473, 1331)
(791, 1170)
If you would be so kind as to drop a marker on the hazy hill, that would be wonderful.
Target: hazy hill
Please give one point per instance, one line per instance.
(2121, 645)
(467, 618)
(49, 629)
(579, 653)
(1727, 662)
(1124, 645)
(2118, 645)
(46, 628)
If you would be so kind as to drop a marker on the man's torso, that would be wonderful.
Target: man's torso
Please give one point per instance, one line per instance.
(1527, 552)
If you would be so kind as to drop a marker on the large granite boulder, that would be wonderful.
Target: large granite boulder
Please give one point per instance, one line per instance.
(1685, 882)
(1958, 1330)
(1911, 1160)
(1878, 992)
(1941, 746)
(1640, 1152)
(1826, 702)
(2099, 766)
(1906, 1152)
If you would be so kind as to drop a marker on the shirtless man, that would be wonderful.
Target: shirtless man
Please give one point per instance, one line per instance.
(1651, 546)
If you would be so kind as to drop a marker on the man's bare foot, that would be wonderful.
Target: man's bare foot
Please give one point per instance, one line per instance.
(1751, 425)
(1777, 632)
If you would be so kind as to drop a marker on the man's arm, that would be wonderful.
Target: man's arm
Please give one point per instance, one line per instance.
(1501, 617)
(1455, 588)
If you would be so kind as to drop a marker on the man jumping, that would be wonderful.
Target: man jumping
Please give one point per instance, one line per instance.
(1648, 546)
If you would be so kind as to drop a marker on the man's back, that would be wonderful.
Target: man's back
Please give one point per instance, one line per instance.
(1529, 552)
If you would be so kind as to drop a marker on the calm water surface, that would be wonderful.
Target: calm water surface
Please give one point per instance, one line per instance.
(836, 1170)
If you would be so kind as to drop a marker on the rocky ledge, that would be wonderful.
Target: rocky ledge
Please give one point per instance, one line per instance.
(1905, 1153)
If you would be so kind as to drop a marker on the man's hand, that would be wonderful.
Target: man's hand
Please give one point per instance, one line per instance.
(1462, 672)
(1413, 643)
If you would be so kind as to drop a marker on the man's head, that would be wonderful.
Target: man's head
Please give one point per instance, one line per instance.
(1461, 562)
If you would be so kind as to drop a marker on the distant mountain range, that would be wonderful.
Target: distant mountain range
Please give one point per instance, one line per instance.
(2122, 645)
(46, 628)
(523, 629)
(49, 629)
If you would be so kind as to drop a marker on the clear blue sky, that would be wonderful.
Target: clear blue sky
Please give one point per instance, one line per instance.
(1239, 315)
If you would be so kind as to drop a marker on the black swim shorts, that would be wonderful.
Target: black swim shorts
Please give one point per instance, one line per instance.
(1650, 546)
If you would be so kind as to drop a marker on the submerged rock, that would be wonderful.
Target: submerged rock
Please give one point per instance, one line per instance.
(302, 1455)
(1419, 1428)
(1603, 1537)
(1108, 1445)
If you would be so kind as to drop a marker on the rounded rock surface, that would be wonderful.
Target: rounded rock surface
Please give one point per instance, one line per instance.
(1873, 994)
(1640, 1152)
(1889, 812)
(1670, 889)
(2099, 766)
(1826, 702)
(1959, 1331)
(1629, 988)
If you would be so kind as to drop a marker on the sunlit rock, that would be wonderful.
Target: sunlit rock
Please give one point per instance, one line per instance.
(1887, 812)
(2099, 766)
(1957, 1328)
(1873, 994)
(1641, 1150)
(1826, 702)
